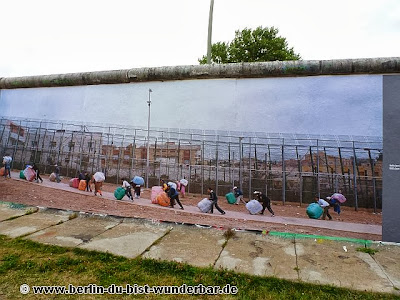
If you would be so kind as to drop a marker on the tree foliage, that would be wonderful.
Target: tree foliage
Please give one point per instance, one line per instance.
(261, 44)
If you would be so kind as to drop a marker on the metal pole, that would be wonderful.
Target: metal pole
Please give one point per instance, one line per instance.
(16, 145)
(43, 151)
(98, 151)
(371, 161)
(210, 18)
(249, 175)
(216, 167)
(132, 158)
(134, 154)
(81, 148)
(148, 142)
(300, 176)
(318, 184)
(121, 149)
(240, 164)
(168, 156)
(161, 157)
(355, 178)
(249, 168)
(336, 177)
(51, 150)
(155, 158)
(233, 169)
(270, 183)
(61, 142)
(229, 163)
(342, 170)
(301, 189)
(177, 161)
(26, 143)
(190, 161)
(283, 173)
(266, 177)
(36, 141)
(202, 168)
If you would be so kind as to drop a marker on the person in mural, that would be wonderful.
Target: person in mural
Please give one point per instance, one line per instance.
(178, 186)
(173, 195)
(164, 185)
(81, 176)
(97, 187)
(37, 171)
(127, 187)
(183, 188)
(7, 166)
(183, 191)
(325, 206)
(88, 183)
(137, 191)
(214, 199)
(238, 195)
(265, 201)
(335, 204)
(57, 172)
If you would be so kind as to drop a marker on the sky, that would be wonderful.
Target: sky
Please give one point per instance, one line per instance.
(54, 37)
(333, 105)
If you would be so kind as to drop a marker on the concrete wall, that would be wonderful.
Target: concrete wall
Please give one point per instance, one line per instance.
(391, 159)
(238, 70)
(311, 97)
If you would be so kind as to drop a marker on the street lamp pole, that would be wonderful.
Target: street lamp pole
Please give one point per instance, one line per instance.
(148, 142)
(210, 18)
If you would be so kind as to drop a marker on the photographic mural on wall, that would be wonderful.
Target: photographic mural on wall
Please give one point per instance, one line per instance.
(292, 137)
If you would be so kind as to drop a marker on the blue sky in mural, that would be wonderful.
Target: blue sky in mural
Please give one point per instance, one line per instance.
(334, 105)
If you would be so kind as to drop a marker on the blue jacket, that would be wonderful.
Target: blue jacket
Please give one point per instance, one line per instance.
(336, 205)
(172, 192)
(238, 193)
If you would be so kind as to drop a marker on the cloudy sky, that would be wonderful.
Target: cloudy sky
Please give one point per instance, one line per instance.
(50, 37)
(334, 105)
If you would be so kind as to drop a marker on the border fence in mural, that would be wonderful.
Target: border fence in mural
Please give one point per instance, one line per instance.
(288, 167)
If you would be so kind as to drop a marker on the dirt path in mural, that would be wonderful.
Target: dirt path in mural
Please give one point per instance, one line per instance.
(40, 195)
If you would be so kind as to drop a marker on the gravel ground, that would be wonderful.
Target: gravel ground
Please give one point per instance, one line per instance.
(40, 195)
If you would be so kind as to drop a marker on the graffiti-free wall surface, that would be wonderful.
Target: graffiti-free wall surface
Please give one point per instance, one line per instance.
(334, 105)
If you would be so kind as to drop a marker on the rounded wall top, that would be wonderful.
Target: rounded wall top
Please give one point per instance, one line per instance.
(235, 70)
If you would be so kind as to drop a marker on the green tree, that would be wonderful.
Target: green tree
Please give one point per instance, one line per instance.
(261, 44)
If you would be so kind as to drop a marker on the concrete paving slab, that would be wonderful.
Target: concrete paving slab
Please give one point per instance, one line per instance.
(130, 238)
(7, 211)
(338, 263)
(259, 255)
(75, 232)
(31, 223)
(192, 245)
(388, 258)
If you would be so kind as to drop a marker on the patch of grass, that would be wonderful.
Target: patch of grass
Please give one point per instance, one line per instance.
(9, 262)
(229, 233)
(16, 205)
(31, 211)
(367, 250)
(72, 216)
(24, 261)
